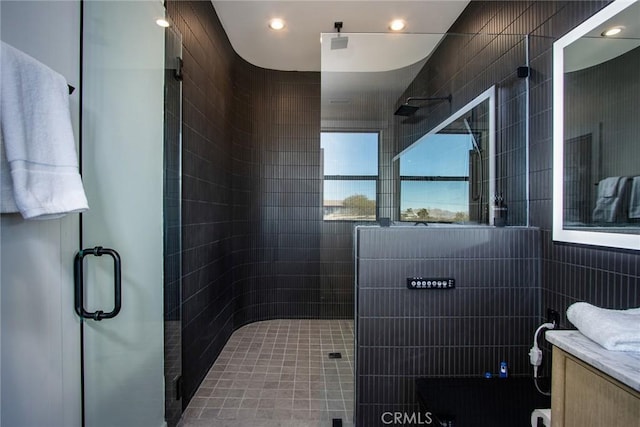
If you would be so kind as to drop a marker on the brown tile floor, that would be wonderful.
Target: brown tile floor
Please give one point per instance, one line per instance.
(277, 373)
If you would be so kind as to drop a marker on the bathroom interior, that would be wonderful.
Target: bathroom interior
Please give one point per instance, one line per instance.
(273, 276)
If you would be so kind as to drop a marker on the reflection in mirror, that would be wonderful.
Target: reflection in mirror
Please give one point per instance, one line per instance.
(597, 131)
(446, 176)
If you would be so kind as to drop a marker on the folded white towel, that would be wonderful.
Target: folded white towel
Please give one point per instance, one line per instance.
(7, 202)
(38, 137)
(617, 330)
(634, 199)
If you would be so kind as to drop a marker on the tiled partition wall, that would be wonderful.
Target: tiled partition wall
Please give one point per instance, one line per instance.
(404, 334)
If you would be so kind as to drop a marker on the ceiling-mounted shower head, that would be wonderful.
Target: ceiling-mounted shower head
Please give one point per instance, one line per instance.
(339, 42)
(408, 110)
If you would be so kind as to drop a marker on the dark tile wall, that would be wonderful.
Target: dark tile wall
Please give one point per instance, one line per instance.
(404, 334)
(254, 244)
(207, 190)
(288, 263)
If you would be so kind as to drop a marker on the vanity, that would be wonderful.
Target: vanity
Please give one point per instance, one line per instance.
(592, 386)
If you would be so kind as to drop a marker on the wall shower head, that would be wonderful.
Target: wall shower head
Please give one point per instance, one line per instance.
(408, 110)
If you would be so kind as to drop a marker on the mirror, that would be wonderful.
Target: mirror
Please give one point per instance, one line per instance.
(448, 175)
(596, 137)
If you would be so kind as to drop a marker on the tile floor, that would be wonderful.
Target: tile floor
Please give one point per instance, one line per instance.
(278, 373)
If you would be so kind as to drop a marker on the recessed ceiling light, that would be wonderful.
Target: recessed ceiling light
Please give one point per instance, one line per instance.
(612, 31)
(397, 25)
(276, 24)
(162, 22)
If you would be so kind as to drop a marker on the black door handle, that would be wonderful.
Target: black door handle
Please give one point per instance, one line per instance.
(79, 283)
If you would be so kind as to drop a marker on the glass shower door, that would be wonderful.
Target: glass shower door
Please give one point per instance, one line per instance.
(173, 227)
(122, 163)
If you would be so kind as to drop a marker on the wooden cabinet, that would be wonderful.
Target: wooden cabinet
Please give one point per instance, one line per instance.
(582, 396)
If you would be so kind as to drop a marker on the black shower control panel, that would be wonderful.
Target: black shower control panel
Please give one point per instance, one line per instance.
(430, 283)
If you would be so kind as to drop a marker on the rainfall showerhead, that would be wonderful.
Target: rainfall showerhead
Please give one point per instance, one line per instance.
(339, 42)
(408, 110)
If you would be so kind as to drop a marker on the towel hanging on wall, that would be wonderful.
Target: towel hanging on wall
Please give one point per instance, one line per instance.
(38, 143)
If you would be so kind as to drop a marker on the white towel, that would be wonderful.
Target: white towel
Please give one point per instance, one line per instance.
(617, 330)
(38, 137)
(634, 199)
(7, 202)
(612, 201)
(608, 187)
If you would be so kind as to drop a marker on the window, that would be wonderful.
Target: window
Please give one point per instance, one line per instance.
(350, 162)
(434, 179)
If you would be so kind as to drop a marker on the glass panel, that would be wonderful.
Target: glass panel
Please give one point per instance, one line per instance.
(122, 155)
(350, 200)
(172, 227)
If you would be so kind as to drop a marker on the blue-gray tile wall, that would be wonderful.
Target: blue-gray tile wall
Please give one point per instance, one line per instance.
(404, 334)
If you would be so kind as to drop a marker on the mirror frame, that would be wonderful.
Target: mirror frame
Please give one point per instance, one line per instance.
(490, 95)
(597, 238)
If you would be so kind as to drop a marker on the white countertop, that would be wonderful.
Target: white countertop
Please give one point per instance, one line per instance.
(621, 365)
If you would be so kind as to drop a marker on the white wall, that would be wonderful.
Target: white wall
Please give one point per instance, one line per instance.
(39, 332)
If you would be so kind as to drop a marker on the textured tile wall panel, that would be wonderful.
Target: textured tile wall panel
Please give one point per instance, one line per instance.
(405, 334)
(207, 294)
